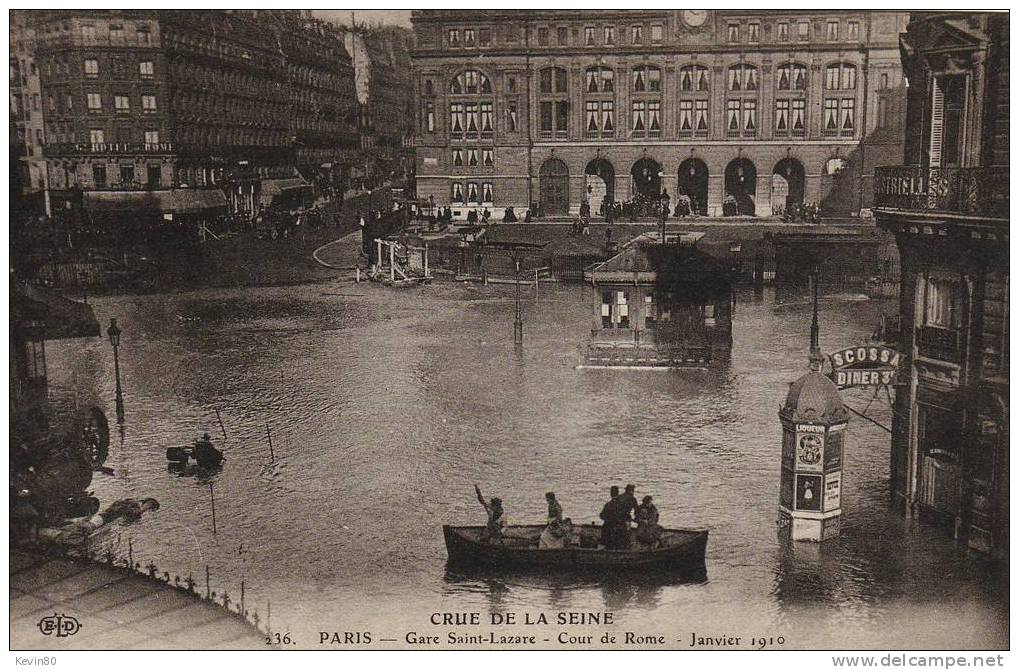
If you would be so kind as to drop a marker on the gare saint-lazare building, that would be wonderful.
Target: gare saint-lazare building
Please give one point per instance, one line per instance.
(767, 109)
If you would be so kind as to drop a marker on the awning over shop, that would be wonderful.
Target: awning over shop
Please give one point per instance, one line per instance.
(58, 317)
(274, 187)
(179, 200)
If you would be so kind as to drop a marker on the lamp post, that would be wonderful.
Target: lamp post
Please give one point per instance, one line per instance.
(734, 250)
(518, 322)
(114, 334)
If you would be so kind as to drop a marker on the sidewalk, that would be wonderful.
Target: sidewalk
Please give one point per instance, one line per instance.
(116, 609)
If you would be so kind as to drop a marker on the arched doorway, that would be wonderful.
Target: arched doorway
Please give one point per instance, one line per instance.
(600, 183)
(646, 178)
(740, 188)
(788, 183)
(554, 187)
(693, 183)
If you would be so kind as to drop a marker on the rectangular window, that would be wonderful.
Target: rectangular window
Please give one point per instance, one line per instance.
(430, 117)
(468, 37)
(589, 36)
(457, 193)
(144, 37)
(88, 32)
(70, 103)
(487, 127)
(472, 158)
(686, 120)
(543, 37)
(96, 136)
(487, 195)
(637, 34)
(151, 137)
(656, 33)
(91, 68)
(654, 118)
(701, 118)
(781, 117)
(99, 175)
(95, 103)
(803, 31)
(35, 353)
(753, 33)
(472, 193)
(116, 35)
(485, 37)
(511, 117)
(592, 118)
(154, 176)
(884, 80)
(610, 35)
(650, 310)
(453, 37)
(733, 32)
(545, 118)
(608, 121)
(832, 32)
(562, 36)
(458, 158)
(149, 104)
(562, 117)
(122, 104)
(853, 30)
(488, 157)
(783, 32)
(941, 308)
(472, 119)
(456, 119)
(847, 116)
(732, 118)
(830, 127)
(882, 112)
(799, 125)
(639, 114)
(749, 118)
(145, 69)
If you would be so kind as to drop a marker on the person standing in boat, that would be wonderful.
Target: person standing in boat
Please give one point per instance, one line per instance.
(496, 517)
(555, 534)
(614, 531)
(648, 533)
(629, 502)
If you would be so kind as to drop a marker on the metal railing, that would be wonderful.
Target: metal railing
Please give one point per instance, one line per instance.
(980, 191)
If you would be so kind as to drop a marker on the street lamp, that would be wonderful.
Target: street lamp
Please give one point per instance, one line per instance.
(518, 322)
(734, 250)
(114, 334)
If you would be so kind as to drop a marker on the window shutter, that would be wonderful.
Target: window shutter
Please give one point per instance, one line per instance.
(937, 122)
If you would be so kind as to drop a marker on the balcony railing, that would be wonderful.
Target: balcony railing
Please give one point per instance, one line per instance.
(938, 343)
(979, 191)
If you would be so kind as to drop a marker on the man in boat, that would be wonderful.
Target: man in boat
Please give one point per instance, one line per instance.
(556, 533)
(614, 531)
(629, 502)
(496, 517)
(648, 533)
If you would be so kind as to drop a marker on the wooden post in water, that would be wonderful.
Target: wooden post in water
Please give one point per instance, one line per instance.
(208, 592)
(269, 435)
(212, 495)
(243, 613)
(130, 554)
(221, 426)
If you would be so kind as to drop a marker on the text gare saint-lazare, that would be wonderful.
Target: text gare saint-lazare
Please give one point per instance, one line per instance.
(460, 635)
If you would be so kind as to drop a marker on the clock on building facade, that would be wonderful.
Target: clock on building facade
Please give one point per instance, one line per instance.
(694, 18)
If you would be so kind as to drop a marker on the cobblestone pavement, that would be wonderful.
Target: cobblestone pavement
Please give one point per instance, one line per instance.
(116, 610)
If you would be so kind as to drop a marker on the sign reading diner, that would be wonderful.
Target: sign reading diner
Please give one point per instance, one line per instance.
(870, 365)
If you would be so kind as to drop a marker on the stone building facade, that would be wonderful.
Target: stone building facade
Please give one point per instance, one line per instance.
(948, 207)
(516, 108)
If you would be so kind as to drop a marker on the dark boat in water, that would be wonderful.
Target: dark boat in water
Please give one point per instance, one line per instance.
(679, 550)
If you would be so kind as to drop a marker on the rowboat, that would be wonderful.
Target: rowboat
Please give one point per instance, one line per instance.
(679, 550)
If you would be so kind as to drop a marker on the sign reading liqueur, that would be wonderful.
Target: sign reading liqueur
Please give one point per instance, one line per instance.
(870, 365)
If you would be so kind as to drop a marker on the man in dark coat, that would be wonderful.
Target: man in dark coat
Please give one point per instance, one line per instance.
(628, 501)
(615, 534)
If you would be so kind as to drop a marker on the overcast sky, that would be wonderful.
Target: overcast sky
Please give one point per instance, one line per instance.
(400, 17)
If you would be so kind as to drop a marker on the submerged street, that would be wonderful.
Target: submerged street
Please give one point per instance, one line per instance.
(386, 406)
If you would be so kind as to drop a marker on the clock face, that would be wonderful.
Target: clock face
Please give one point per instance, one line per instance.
(695, 18)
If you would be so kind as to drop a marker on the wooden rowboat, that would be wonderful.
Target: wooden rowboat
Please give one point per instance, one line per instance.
(679, 550)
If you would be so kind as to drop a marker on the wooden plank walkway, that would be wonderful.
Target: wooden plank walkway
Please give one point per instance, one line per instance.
(117, 609)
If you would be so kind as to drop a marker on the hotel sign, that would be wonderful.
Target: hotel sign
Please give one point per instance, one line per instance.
(110, 148)
(864, 366)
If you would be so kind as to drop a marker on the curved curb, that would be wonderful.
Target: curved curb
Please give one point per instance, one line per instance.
(324, 264)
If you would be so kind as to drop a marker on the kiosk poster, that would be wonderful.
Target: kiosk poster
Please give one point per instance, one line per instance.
(492, 328)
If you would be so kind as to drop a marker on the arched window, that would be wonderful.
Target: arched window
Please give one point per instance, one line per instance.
(471, 106)
(693, 78)
(792, 77)
(743, 78)
(553, 103)
(840, 77)
(646, 78)
(600, 80)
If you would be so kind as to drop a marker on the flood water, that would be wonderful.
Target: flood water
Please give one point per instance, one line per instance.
(385, 406)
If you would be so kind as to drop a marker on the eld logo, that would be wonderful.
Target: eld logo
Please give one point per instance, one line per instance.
(60, 625)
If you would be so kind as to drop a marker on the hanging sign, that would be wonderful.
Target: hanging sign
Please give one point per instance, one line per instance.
(870, 365)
